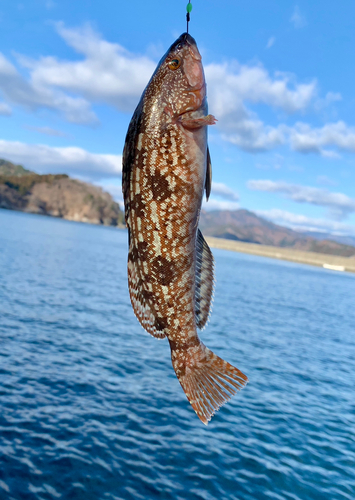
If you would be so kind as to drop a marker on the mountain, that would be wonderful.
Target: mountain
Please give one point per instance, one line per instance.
(345, 240)
(242, 225)
(8, 168)
(61, 196)
(56, 195)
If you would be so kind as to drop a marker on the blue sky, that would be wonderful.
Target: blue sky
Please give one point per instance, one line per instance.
(280, 79)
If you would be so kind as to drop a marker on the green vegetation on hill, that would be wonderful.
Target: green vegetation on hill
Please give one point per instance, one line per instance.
(23, 184)
(8, 168)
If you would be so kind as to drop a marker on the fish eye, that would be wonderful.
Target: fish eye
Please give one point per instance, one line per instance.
(174, 64)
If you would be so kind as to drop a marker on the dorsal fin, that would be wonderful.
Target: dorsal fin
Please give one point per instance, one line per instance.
(208, 181)
(204, 281)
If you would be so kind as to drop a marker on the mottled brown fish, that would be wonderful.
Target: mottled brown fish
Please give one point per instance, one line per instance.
(166, 168)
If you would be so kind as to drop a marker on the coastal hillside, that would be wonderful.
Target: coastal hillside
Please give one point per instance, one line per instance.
(56, 195)
(242, 225)
(345, 240)
(8, 168)
(61, 196)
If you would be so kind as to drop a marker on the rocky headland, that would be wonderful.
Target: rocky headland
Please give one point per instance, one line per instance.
(57, 196)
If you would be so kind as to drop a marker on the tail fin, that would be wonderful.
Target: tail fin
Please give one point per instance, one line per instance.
(208, 381)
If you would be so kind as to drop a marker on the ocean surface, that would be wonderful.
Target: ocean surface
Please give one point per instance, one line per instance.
(90, 407)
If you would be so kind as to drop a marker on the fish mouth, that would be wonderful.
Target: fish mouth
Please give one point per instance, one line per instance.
(192, 63)
(186, 39)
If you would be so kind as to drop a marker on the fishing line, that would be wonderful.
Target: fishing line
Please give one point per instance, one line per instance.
(188, 10)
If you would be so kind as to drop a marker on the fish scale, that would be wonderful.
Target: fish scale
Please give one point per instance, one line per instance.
(166, 168)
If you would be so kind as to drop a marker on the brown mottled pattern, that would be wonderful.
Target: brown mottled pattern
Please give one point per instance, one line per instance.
(164, 176)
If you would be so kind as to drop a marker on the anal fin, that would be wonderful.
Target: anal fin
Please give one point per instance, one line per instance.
(204, 284)
(141, 297)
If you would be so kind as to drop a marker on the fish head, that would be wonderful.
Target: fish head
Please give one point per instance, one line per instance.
(179, 78)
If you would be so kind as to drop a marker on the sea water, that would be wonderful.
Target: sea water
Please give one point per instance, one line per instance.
(90, 407)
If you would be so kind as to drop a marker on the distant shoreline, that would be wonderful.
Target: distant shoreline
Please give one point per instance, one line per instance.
(332, 262)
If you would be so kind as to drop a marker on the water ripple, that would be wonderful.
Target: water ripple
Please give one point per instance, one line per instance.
(90, 407)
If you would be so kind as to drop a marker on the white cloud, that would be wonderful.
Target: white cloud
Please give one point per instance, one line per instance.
(47, 131)
(50, 4)
(33, 96)
(274, 163)
(329, 153)
(106, 73)
(242, 128)
(329, 98)
(69, 160)
(230, 86)
(253, 136)
(340, 205)
(297, 19)
(324, 180)
(222, 198)
(254, 84)
(109, 73)
(5, 109)
(213, 204)
(332, 97)
(220, 189)
(306, 139)
(304, 223)
(270, 42)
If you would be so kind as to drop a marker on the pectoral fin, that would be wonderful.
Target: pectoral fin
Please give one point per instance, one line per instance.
(193, 123)
(208, 181)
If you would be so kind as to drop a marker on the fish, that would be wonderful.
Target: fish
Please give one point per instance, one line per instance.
(166, 171)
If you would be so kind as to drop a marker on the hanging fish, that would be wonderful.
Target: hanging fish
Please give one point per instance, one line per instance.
(166, 168)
